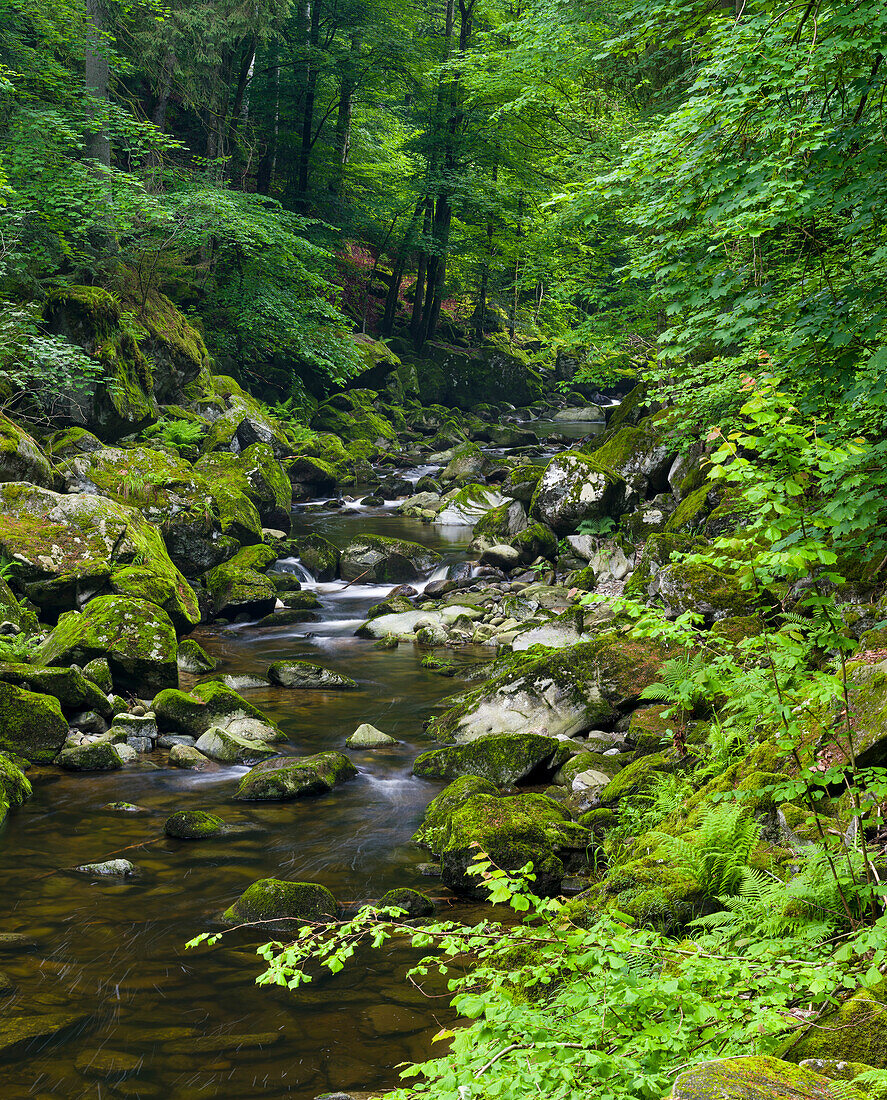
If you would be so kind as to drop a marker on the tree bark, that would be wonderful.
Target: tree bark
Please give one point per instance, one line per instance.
(307, 139)
(342, 144)
(97, 79)
(268, 163)
(158, 115)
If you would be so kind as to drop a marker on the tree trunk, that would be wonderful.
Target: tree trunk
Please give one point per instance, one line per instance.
(97, 78)
(158, 115)
(308, 102)
(265, 173)
(343, 120)
(406, 245)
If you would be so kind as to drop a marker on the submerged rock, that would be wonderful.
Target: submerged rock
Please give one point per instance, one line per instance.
(271, 899)
(194, 825)
(307, 676)
(295, 777)
(110, 868)
(18, 1032)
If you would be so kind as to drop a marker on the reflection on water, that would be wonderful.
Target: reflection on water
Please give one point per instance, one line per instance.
(188, 1025)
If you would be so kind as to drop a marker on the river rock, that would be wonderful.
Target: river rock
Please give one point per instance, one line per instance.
(504, 759)
(95, 756)
(755, 1078)
(307, 676)
(591, 413)
(212, 704)
(558, 694)
(21, 458)
(137, 638)
(18, 1032)
(74, 691)
(295, 777)
(432, 831)
(229, 748)
(111, 868)
(574, 488)
(368, 737)
(414, 903)
(104, 1064)
(317, 555)
(376, 559)
(271, 899)
(191, 657)
(512, 831)
(401, 625)
(186, 756)
(31, 725)
(194, 825)
(466, 506)
(239, 587)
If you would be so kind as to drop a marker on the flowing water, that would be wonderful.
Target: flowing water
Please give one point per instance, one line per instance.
(112, 951)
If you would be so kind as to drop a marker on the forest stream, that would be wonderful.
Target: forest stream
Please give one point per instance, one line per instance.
(114, 949)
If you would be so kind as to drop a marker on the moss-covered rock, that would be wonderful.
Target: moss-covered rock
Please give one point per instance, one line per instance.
(135, 636)
(868, 703)
(308, 677)
(317, 554)
(69, 442)
(98, 672)
(254, 475)
(754, 1078)
(579, 687)
(245, 422)
(31, 725)
(505, 759)
(68, 548)
(412, 902)
(237, 587)
(521, 482)
(295, 777)
(535, 541)
(227, 747)
(212, 704)
(637, 777)
(502, 523)
(657, 553)
(512, 831)
(691, 512)
(273, 899)
(21, 458)
(606, 766)
(467, 505)
(698, 587)
(854, 1032)
(192, 657)
(497, 371)
(229, 490)
(15, 787)
(194, 825)
(576, 487)
(352, 418)
(381, 560)
(11, 611)
(432, 831)
(72, 689)
(95, 756)
(121, 398)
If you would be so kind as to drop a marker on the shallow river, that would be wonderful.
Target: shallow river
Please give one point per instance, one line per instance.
(114, 950)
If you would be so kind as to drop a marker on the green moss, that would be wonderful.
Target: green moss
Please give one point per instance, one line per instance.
(414, 903)
(755, 1078)
(317, 554)
(68, 442)
(854, 1032)
(288, 778)
(432, 831)
(72, 689)
(691, 511)
(15, 787)
(699, 587)
(598, 820)
(272, 899)
(208, 704)
(657, 553)
(31, 725)
(535, 541)
(194, 825)
(632, 780)
(736, 628)
(237, 587)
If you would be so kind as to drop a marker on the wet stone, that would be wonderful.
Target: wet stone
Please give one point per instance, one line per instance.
(111, 868)
(15, 942)
(16, 1032)
(7, 985)
(102, 1063)
(124, 808)
(167, 740)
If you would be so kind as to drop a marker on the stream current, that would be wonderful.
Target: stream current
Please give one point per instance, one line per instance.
(113, 950)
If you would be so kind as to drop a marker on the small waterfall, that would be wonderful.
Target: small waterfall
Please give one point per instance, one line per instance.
(293, 565)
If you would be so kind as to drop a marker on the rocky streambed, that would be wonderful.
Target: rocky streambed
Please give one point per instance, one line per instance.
(213, 691)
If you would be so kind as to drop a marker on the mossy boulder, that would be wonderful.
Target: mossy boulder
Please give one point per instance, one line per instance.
(308, 677)
(367, 736)
(254, 475)
(868, 704)
(311, 477)
(95, 756)
(192, 657)
(228, 488)
(657, 553)
(352, 418)
(72, 689)
(244, 422)
(856, 1031)
(576, 487)
(11, 611)
(703, 589)
(120, 399)
(273, 899)
(467, 505)
(15, 787)
(237, 587)
(68, 442)
(504, 759)
(463, 378)
(212, 704)
(607, 767)
(578, 687)
(21, 458)
(412, 902)
(295, 777)
(194, 825)
(135, 636)
(641, 454)
(98, 672)
(502, 523)
(691, 512)
(469, 462)
(68, 548)
(634, 779)
(377, 559)
(512, 831)
(317, 554)
(227, 747)
(432, 831)
(535, 541)
(755, 1078)
(521, 482)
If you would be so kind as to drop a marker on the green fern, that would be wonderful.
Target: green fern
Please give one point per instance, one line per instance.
(680, 681)
(718, 855)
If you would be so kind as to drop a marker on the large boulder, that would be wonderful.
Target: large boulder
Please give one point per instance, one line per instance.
(227, 747)
(641, 454)
(317, 554)
(707, 591)
(244, 422)
(308, 677)
(353, 418)
(31, 725)
(854, 1032)
(578, 688)
(576, 487)
(463, 378)
(432, 832)
(72, 689)
(868, 704)
(465, 506)
(468, 461)
(506, 759)
(69, 548)
(273, 899)
(512, 831)
(15, 787)
(11, 611)
(502, 523)
(294, 777)
(21, 458)
(238, 587)
(254, 475)
(756, 1078)
(212, 704)
(136, 637)
(377, 559)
